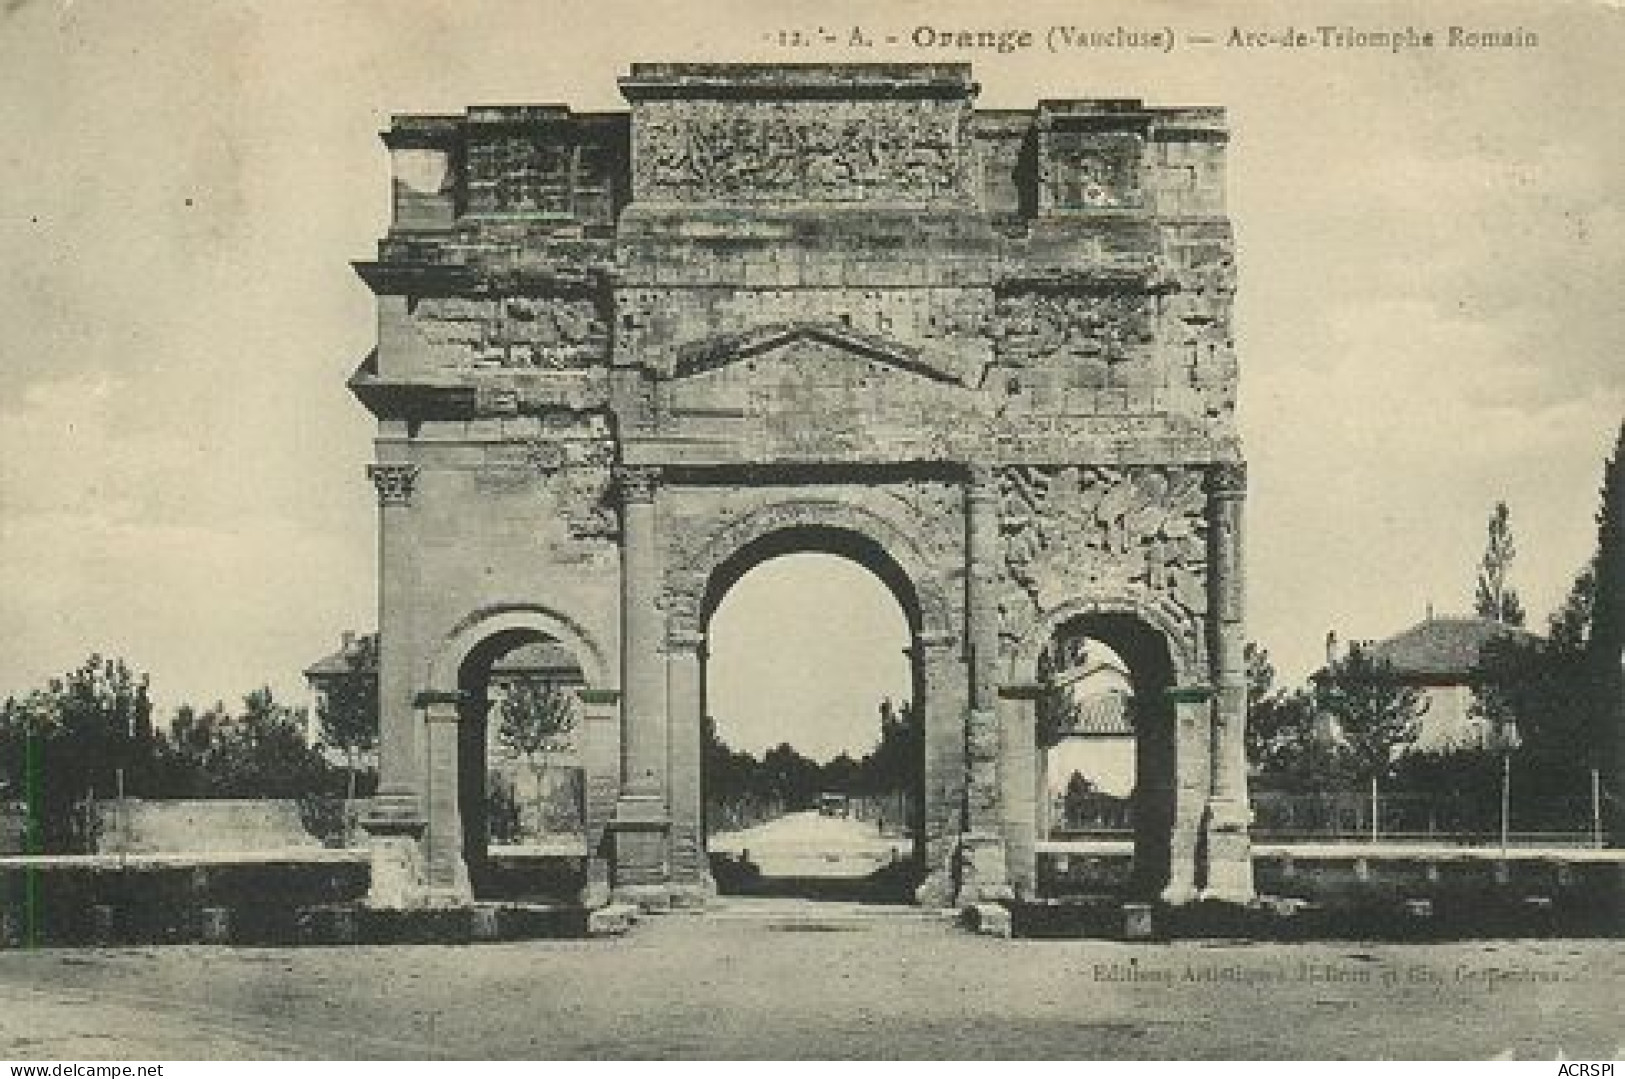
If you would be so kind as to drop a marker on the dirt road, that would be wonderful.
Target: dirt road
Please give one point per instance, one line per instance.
(767, 979)
(811, 845)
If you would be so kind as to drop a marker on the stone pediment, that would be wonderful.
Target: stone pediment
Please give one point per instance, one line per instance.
(727, 349)
(814, 392)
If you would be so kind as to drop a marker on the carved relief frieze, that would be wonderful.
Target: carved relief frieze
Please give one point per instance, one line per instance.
(938, 510)
(1078, 531)
(838, 151)
(538, 332)
(1104, 328)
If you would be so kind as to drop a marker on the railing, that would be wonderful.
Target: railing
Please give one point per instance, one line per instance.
(1419, 817)
(1356, 816)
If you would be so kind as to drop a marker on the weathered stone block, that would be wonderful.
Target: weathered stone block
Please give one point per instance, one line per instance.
(612, 921)
(214, 925)
(990, 920)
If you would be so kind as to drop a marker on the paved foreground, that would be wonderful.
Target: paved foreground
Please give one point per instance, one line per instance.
(771, 979)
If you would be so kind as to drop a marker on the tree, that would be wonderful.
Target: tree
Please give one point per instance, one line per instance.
(1260, 672)
(348, 709)
(1285, 746)
(87, 732)
(1606, 645)
(1374, 713)
(898, 760)
(187, 752)
(791, 778)
(262, 753)
(536, 716)
(1496, 598)
(1075, 801)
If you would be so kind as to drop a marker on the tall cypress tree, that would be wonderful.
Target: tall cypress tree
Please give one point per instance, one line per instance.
(1496, 598)
(1606, 646)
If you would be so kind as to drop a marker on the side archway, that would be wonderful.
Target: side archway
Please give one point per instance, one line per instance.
(518, 619)
(1163, 667)
(1182, 639)
(508, 800)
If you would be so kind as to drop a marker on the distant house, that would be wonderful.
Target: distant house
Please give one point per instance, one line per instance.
(1439, 656)
(1097, 739)
(357, 655)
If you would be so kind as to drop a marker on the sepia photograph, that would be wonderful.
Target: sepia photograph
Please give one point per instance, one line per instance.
(811, 531)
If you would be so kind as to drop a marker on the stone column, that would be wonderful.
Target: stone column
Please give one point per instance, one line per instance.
(1191, 707)
(1023, 785)
(395, 819)
(446, 872)
(982, 859)
(939, 691)
(642, 868)
(601, 768)
(1229, 851)
(691, 883)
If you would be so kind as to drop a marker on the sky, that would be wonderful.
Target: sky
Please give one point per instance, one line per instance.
(1428, 319)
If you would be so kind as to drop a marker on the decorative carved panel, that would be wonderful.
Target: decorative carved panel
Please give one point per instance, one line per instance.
(1088, 170)
(1079, 531)
(1035, 327)
(820, 151)
(571, 461)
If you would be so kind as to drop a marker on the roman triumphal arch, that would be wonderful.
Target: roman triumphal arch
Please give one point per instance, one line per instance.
(624, 356)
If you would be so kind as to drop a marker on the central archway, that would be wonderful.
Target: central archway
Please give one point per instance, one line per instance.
(885, 549)
(813, 754)
(812, 786)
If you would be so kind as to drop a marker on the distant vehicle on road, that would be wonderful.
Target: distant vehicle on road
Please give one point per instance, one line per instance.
(833, 804)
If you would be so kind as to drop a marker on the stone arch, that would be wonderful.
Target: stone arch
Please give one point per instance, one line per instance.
(869, 538)
(446, 660)
(1161, 655)
(1183, 646)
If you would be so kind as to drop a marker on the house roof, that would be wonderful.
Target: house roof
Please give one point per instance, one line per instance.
(339, 662)
(1441, 649)
(1102, 713)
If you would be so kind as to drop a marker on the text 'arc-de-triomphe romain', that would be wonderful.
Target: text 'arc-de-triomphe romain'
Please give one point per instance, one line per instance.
(624, 357)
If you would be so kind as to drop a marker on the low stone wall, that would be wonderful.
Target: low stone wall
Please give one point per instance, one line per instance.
(204, 826)
(101, 898)
(13, 827)
(1351, 888)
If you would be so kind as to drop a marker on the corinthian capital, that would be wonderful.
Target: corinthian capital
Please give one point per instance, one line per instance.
(981, 480)
(395, 482)
(1228, 478)
(637, 482)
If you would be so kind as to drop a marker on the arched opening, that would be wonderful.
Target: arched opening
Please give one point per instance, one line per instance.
(1106, 740)
(812, 754)
(521, 786)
